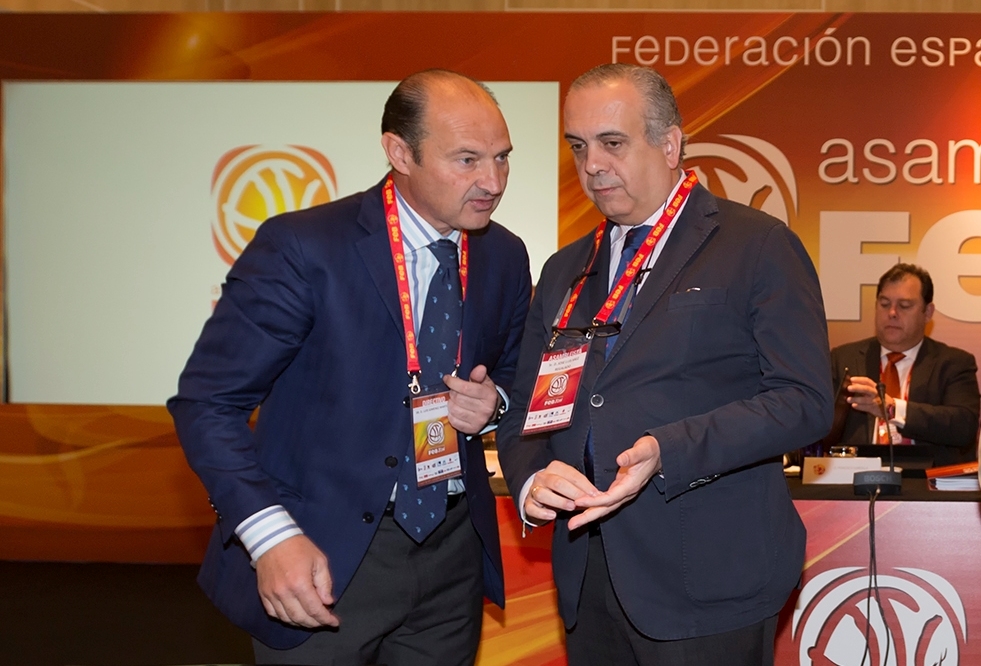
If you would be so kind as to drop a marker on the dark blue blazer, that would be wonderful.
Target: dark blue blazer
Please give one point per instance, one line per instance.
(724, 360)
(308, 329)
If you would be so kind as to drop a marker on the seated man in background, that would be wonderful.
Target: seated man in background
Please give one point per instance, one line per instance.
(931, 389)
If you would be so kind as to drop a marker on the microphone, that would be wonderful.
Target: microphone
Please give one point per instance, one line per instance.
(888, 483)
(880, 388)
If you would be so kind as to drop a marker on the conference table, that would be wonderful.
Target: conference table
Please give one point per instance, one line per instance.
(928, 603)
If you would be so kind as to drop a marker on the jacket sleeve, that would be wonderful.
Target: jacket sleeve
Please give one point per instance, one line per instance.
(793, 404)
(953, 422)
(521, 457)
(259, 324)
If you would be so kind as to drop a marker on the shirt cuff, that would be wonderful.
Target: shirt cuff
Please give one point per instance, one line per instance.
(265, 529)
(899, 420)
(491, 427)
(525, 489)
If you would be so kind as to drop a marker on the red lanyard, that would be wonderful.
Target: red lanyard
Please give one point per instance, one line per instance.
(402, 278)
(645, 250)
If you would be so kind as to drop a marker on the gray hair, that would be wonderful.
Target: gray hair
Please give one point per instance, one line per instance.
(661, 108)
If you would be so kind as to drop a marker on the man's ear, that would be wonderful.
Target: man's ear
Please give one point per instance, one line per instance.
(398, 152)
(671, 145)
(929, 311)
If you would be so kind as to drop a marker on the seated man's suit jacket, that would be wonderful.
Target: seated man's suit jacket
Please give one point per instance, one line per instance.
(309, 328)
(943, 405)
(721, 359)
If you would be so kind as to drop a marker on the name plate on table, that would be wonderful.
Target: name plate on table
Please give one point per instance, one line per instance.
(837, 470)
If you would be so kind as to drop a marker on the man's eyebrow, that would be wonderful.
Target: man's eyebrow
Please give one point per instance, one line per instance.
(609, 134)
(612, 134)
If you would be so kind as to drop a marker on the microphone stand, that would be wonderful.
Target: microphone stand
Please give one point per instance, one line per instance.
(887, 483)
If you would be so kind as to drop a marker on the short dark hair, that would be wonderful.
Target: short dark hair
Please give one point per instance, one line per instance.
(406, 106)
(899, 271)
(660, 108)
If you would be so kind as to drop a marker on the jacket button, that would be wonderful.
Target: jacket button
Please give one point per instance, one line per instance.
(391, 461)
(596, 400)
(368, 517)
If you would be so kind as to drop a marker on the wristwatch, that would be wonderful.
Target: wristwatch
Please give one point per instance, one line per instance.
(499, 412)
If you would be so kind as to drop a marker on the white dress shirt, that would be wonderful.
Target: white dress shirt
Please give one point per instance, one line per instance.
(903, 368)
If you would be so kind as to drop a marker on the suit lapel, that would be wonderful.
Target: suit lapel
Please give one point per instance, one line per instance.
(594, 294)
(477, 313)
(376, 253)
(922, 370)
(689, 234)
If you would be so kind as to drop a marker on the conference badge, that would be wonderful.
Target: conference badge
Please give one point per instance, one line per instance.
(436, 444)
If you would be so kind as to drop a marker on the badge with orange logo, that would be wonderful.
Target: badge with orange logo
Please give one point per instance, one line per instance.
(436, 446)
(250, 184)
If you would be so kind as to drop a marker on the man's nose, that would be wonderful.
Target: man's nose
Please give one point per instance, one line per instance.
(594, 161)
(493, 179)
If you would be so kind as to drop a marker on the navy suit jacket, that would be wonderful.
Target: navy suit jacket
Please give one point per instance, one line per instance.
(943, 405)
(722, 359)
(308, 327)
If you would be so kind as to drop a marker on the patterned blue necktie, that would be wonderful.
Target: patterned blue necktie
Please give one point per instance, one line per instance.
(420, 510)
(635, 236)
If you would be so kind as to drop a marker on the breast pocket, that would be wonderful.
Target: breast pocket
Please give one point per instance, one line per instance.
(696, 296)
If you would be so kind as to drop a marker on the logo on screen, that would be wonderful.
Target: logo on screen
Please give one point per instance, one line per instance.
(252, 183)
(748, 170)
(925, 621)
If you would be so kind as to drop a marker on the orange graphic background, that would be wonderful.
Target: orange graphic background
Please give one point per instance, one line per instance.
(110, 483)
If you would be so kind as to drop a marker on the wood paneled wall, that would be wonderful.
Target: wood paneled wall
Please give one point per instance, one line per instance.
(489, 5)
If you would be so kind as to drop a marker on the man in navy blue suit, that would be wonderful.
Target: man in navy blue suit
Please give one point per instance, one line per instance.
(344, 536)
(702, 352)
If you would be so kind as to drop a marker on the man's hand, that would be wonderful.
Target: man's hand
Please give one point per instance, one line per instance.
(555, 488)
(864, 397)
(295, 584)
(472, 403)
(637, 465)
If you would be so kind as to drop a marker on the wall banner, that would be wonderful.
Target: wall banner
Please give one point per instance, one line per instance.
(862, 132)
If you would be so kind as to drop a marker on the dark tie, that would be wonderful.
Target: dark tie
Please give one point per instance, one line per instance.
(635, 236)
(420, 510)
(890, 377)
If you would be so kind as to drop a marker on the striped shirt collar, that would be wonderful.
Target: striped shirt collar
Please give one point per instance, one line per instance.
(417, 233)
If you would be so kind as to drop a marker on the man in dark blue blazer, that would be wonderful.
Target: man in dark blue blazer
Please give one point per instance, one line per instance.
(309, 554)
(676, 541)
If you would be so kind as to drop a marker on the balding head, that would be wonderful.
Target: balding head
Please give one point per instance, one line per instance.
(405, 110)
(448, 145)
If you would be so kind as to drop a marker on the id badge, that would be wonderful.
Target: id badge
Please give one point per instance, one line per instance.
(554, 397)
(436, 443)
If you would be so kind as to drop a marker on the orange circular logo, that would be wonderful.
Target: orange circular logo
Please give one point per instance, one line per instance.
(253, 183)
